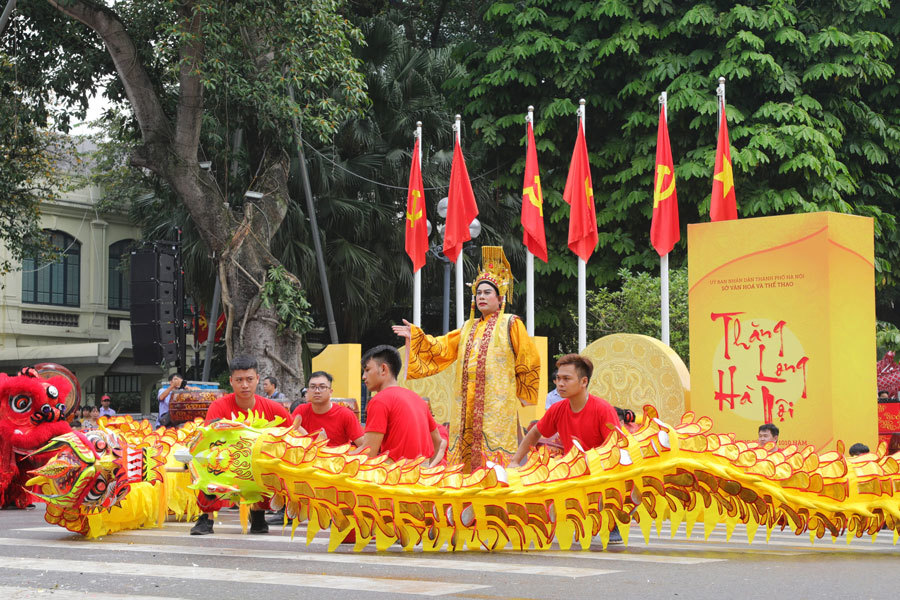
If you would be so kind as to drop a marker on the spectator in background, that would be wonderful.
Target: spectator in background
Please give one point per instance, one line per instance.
(91, 421)
(766, 433)
(858, 449)
(553, 395)
(176, 382)
(627, 419)
(301, 400)
(894, 444)
(105, 410)
(884, 397)
(270, 389)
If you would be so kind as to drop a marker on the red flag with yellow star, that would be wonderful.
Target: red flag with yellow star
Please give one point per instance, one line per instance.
(664, 228)
(416, 224)
(461, 206)
(533, 203)
(723, 205)
(579, 193)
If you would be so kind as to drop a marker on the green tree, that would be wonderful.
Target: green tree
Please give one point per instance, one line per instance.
(194, 73)
(811, 103)
(634, 308)
(35, 169)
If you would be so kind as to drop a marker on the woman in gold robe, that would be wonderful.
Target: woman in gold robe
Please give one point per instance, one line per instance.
(497, 368)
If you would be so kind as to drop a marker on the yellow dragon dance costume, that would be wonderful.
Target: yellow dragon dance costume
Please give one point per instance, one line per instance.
(497, 366)
(660, 473)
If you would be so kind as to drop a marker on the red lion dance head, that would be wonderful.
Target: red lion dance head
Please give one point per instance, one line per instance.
(32, 411)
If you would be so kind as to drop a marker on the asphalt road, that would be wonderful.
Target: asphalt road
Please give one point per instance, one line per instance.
(44, 561)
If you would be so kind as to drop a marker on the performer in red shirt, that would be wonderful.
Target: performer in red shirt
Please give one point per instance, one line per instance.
(244, 379)
(579, 416)
(339, 423)
(398, 422)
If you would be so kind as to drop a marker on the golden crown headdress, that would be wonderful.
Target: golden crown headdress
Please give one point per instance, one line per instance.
(496, 271)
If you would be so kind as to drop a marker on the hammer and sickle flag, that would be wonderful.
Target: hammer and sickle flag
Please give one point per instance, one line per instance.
(416, 227)
(533, 203)
(723, 204)
(664, 228)
(579, 193)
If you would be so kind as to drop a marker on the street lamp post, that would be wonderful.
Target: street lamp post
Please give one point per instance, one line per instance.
(437, 252)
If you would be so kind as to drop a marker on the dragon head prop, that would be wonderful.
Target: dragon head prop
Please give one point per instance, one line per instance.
(94, 470)
(221, 455)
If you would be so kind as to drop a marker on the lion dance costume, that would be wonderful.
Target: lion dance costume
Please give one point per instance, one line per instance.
(32, 411)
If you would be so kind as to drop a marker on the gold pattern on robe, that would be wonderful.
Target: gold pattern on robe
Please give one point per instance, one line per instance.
(512, 375)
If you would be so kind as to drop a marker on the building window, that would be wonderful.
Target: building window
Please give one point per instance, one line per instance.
(57, 282)
(118, 275)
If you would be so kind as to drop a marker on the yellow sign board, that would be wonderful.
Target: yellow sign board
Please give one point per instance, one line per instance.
(782, 327)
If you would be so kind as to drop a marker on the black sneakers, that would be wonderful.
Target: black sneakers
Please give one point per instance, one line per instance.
(276, 518)
(203, 526)
(258, 522)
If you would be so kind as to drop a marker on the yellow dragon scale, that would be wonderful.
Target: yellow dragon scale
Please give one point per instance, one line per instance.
(679, 473)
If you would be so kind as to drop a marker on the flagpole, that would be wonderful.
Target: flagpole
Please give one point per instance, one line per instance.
(720, 92)
(417, 276)
(459, 260)
(664, 260)
(529, 257)
(582, 269)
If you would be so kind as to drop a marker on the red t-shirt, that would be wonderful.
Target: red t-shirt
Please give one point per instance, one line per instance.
(591, 425)
(226, 406)
(340, 424)
(404, 419)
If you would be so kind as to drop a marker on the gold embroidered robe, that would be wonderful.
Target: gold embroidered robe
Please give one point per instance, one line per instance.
(497, 366)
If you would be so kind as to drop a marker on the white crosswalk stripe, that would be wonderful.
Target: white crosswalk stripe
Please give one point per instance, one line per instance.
(213, 574)
(362, 559)
(22, 593)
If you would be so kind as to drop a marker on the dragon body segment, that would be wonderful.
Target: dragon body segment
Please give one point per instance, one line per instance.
(659, 473)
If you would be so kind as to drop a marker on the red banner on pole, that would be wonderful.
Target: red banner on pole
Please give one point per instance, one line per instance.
(579, 193)
(416, 227)
(723, 204)
(461, 206)
(533, 203)
(664, 228)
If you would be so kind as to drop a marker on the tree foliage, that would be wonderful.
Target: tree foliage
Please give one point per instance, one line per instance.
(634, 308)
(35, 168)
(811, 104)
(208, 80)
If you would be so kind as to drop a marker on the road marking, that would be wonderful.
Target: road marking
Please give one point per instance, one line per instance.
(20, 593)
(407, 560)
(331, 582)
(622, 556)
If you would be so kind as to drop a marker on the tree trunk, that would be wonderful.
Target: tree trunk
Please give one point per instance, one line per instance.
(239, 242)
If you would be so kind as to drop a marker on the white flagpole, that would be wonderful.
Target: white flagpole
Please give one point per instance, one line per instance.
(720, 92)
(417, 276)
(459, 261)
(664, 260)
(582, 270)
(529, 257)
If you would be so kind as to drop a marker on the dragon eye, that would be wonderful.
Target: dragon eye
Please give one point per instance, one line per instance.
(97, 490)
(61, 407)
(20, 403)
(52, 392)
